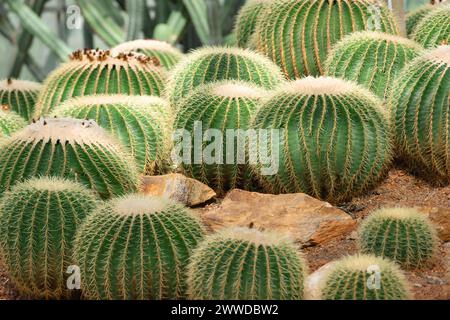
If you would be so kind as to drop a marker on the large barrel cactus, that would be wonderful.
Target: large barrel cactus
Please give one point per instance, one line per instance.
(142, 124)
(434, 29)
(246, 264)
(226, 108)
(20, 96)
(415, 17)
(76, 149)
(421, 114)
(333, 139)
(247, 19)
(10, 122)
(365, 277)
(298, 34)
(208, 65)
(372, 59)
(91, 72)
(166, 54)
(38, 221)
(136, 247)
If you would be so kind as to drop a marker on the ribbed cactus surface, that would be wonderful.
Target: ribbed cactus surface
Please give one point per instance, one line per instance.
(136, 247)
(333, 139)
(298, 34)
(364, 277)
(76, 149)
(434, 29)
(372, 59)
(20, 96)
(142, 124)
(246, 264)
(10, 122)
(400, 234)
(247, 19)
(91, 72)
(413, 18)
(421, 114)
(38, 221)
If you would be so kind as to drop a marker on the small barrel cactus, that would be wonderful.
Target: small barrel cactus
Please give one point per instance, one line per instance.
(400, 234)
(38, 221)
(208, 65)
(91, 72)
(421, 114)
(166, 54)
(20, 96)
(136, 247)
(70, 148)
(142, 124)
(415, 17)
(331, 139)
(364, 277)
(226, 107)
(246, 264)
(434, 29)
(298, 34)
(372, 59)
(10, 122)
(247, 19)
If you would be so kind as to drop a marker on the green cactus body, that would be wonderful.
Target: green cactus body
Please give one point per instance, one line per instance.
(227, 107)
(434, 29)
(364, 277)
(38, 221)
(70, 148)
(142, 124)
(208, 65)
(247, 20)
(298, 34)
(333, 141)
(136, 247)
(167, 55)
(10, 122)
(415, 17)
(246, 264)
(400, 234)
(20, 96)
(421, 114)
(92, 72)
(372, 59)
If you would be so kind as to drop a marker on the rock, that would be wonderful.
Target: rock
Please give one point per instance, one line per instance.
(441, 218)
(307, 220)
(434, 280)
(178, 188)
(353, 235)
(314, 281)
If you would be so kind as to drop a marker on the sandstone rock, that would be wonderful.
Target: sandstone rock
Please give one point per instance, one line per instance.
(307, 220)
(315, 280)
(441, 219)
(178, 188)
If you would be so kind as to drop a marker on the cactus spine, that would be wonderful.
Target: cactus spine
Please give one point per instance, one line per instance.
(349, 279)
(298, 34)
(38, 220)
(372, 59)
(246, 264)
(247, 20)
(421, 114)
(91, 72)
(20, 96)
(400, 234)
(142, 124)
(333, 143)
(434, 29)
(10, 122)
(70, 148)
(136, 247)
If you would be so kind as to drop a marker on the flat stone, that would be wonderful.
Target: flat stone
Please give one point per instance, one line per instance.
(314, 281)
(441, 219)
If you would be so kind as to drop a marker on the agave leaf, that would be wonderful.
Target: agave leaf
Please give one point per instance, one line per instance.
(135, 10)
(197, 10)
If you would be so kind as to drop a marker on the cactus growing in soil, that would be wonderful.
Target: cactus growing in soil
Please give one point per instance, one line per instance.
(167, 54)
(247, 19)
(10, 122)
(434, 29)
(222, 106)
(136, 247)
(334, 140)
(142, 124)
(421, 114)
(38, 221)
(91, 72)
(364, 277)
(298, 34)
(69, 148)
(372, 59)
(208, 65)
(20, 96)
(246, 264)
(400, 234)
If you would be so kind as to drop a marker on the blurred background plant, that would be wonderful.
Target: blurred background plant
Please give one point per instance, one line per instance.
(36, 35)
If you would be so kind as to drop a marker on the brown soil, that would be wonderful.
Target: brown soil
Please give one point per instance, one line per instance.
(399, 189)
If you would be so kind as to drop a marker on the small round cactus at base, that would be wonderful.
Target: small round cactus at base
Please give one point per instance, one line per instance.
(20, 96)
(246, 264)
(10, 122)
(247, 19)
(136, 248)
(434, 29)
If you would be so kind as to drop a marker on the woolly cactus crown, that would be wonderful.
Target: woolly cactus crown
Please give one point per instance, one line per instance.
(20, 96)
